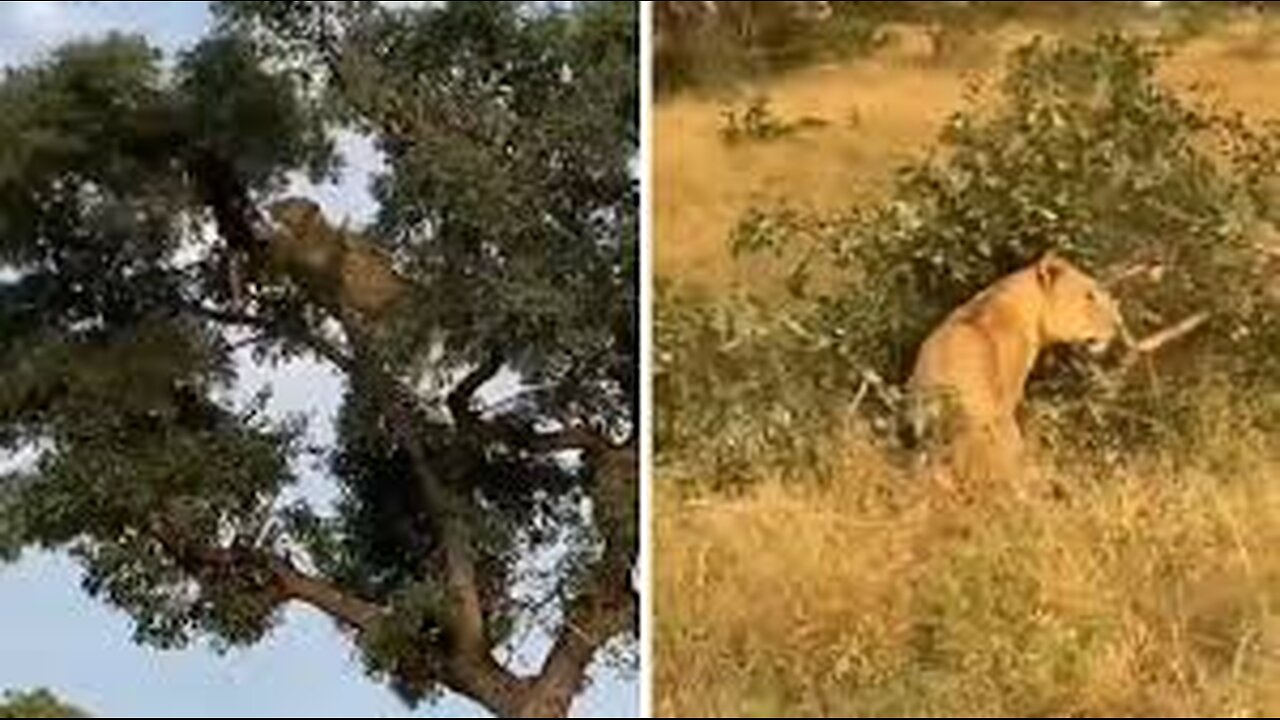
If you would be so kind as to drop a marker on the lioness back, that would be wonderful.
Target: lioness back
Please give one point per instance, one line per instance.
(970, 372)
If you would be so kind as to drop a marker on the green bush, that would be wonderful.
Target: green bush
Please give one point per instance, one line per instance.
(1085, 152)
(696, 46)
(727, 388)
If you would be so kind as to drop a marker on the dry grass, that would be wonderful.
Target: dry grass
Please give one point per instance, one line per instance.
(880, 112)
(1149, 590)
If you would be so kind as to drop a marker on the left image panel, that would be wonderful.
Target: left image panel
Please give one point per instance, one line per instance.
(319, 377)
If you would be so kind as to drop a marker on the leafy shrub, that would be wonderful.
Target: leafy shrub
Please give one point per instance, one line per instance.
(725, 375)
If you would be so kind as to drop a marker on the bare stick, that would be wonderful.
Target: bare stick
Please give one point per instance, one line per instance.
(1149, 271)
(1156, 340)
(1163, 337)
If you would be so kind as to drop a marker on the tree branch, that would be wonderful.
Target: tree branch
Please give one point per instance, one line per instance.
(226, 194)
(594, 618)
(288, 582)
(321, 347)
(323, 595)
(447, 516)
(459, 400)
(1151, 271)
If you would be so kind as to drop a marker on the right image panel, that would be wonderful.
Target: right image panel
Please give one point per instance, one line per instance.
(966, 359)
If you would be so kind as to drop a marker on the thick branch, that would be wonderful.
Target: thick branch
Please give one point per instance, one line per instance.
(323, 595)
(594, 618)
(447, 516)
(289, 582)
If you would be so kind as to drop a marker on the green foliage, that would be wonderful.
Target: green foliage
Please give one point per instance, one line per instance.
(136, 446)
(95, 201)
(398, 647)
(1085, 153)
(740, 386)
(37, 704)
(224, 91)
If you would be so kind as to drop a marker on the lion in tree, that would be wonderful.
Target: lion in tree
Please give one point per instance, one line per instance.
(337, 267)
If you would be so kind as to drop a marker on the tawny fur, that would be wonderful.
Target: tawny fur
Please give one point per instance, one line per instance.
(338, 266)
(971, 371)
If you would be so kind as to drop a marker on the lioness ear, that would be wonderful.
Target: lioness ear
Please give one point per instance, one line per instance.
(1048, 268)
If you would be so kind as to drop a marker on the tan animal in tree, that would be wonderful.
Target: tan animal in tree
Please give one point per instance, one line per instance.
(970, 371)
(336, 267)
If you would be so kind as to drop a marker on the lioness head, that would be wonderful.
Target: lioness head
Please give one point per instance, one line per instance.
(1077, 309)
(301, 239)
(295, 213)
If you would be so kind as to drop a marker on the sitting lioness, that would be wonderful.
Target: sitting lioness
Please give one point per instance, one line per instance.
(969, 374)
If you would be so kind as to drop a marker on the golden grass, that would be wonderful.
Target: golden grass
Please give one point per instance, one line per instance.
(1149, 590)
(900, 98)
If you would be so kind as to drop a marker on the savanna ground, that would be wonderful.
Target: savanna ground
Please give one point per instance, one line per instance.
(1144, 584)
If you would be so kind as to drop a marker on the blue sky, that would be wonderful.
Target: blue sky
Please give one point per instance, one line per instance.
(52, 635)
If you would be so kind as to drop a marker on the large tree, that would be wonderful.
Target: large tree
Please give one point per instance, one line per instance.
(138, 258)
